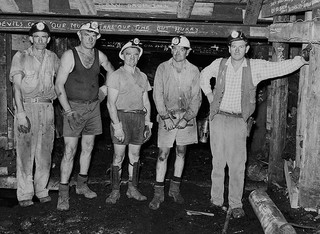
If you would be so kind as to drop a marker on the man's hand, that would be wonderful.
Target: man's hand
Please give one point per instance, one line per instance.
(182, 123)
(103, 91)
(23, 122)
(210, 97)
(147, 131)
(118, 131)
(168, 124)
(305, 53)
(74, 119)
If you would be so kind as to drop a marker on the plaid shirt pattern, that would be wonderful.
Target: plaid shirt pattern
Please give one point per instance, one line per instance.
(261, 70)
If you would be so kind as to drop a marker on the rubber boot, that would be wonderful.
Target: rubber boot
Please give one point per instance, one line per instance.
(174, 192)
(115, 181)
(82, 187)
(158, 197)
(63, 200)
(133, 191)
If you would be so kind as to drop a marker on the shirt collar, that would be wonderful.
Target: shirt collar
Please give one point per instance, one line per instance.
(244, 63)
(185, 64)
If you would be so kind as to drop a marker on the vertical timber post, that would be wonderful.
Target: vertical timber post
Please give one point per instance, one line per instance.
(278, 109)
(309, 184)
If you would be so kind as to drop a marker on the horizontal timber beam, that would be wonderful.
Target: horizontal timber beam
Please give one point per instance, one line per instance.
(297, 32)
(21, 23)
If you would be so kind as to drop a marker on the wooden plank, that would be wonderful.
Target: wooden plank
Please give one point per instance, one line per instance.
(9, 6)
(40, 6)
(278, 108)
(193, 29)
(10, 126)
(280, 7)
(154, 7)
(298, 32)
(252, 11)
(291, 184)
(218, 11)
(3, 93)
(309, 182)
(86, 7)
(25, 5)
(185, 8)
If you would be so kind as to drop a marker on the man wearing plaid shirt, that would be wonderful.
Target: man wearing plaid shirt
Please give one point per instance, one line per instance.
(231, 104)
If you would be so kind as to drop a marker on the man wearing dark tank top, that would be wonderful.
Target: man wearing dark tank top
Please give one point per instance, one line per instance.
(77, 87)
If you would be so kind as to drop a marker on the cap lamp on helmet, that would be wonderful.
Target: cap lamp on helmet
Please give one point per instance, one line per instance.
(237, 36)
(91, 26)
(39, 27)
(134, 43)
(180, 41)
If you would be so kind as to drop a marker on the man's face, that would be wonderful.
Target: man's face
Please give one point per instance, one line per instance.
(88, 39)
(131, 56)
(238, 49)
(39, 40)
(179, 53)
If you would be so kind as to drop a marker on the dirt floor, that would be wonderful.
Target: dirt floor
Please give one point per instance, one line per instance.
(130, 216)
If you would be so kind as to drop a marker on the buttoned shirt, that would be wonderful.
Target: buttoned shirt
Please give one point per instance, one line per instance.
(37, 77)
(177, 91)
(260, 69)
(130, 86)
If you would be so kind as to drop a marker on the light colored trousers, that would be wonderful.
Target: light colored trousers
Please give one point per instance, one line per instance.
(34, 151)
(228, 137)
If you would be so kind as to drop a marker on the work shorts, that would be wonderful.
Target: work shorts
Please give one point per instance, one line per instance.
(132, 126)
(186, 136)
(90, 114)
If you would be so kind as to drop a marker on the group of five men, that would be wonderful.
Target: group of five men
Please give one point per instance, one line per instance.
(177, 96)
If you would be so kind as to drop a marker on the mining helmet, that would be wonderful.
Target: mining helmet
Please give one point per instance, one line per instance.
(237, 36)
(134, 43)
(92, 26)
(180, 41)
(39, 27)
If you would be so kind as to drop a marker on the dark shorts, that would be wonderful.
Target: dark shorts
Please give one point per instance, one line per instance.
(133, 127)
(90, 112)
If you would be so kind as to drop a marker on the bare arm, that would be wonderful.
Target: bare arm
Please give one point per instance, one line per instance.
(111, 104)
(17, 80)
(147, 105)
(105, 63)
(66, 66)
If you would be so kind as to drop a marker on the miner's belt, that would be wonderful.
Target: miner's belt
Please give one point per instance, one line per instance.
(37, 100)
(84, 101)
(142, 112)
(231, 114)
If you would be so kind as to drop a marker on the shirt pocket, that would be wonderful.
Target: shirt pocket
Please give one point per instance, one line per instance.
(48, 79)
(30, 81)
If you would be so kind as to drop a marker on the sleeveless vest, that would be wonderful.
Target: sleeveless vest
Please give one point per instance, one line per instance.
(248, 91)
(82, 83)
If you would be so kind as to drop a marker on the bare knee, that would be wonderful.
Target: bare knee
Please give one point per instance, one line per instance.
(181, 151)
(117, 160)
(163, 155)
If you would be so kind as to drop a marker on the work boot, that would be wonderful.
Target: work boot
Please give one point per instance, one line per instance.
(63, 200)
(133, 191)
(115, 181)
(82, 187)
(158, 197)
(174, 192)
(26, 203)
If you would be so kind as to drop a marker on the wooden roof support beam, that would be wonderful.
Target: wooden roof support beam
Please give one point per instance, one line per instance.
(9, 6)
(86, 7)
(297, 32)
(252, 11)
(40, 6)
(185, 8)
